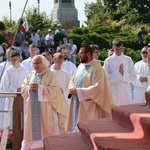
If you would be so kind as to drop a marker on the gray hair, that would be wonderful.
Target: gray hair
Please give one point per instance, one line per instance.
(45, 63)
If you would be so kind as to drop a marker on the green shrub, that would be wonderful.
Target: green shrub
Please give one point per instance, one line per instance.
(147, 39)
(135, 55)
(2, 26)
(2, 37)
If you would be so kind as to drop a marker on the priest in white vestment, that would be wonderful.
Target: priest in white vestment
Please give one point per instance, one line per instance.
(91, 95)
(62, 76)
(120, 72)
(45, 112)
(33, 51)
(11, 82)
(143, 77)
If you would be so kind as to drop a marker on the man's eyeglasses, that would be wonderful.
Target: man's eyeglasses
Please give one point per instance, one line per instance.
(144, 53)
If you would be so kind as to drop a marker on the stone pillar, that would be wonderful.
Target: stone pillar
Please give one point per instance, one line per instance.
(64, 11)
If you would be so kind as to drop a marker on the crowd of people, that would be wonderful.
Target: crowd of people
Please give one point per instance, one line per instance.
(58, 94)
(44, 41)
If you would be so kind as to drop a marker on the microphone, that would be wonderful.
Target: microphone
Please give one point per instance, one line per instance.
(69, 96)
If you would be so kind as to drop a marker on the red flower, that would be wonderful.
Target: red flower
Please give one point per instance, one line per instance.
(10, 136)
(0, 137)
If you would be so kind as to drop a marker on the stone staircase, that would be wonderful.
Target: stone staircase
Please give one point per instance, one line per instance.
(129, 129)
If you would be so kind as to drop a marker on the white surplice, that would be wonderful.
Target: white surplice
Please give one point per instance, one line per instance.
(68, 67)
(3, 67)
(27, 64)
(63, 79)
(141, 69)
(13, 78)
(11, 81)
(1, 52)
(120, 84)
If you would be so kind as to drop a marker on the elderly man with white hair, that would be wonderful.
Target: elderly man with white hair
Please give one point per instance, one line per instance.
(45, 112)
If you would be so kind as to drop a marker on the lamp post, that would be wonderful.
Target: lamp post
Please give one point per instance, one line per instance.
(10, 11)
(38, 7)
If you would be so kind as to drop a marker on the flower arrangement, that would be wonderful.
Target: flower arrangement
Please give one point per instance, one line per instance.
(9, 140)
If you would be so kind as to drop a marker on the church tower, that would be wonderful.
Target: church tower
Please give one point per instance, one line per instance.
(64, 11)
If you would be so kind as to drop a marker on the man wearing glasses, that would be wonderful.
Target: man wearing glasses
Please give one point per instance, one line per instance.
(120, 72)
(68, 66)
(33, 51)
(91, 95)
(143, 77)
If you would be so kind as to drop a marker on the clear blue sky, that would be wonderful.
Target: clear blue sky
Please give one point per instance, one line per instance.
(45, 5)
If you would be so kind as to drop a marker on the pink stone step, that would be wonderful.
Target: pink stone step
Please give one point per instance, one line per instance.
(129, 129)
(105, 134)
(39, 148)
(134, 117)
(70, 141)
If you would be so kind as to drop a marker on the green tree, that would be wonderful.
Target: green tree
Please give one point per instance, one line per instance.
(2, 26)
(143, 9)
(8, 27)
(38, 21)
(6, 21)
(104, 11)
(96, 13)
(47, 21)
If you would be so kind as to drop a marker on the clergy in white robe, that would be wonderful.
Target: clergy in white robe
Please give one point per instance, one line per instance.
(1, 53)
(91, 95)
(62, 76)
(11, 81)
(33, 51)
(143, 77)
(27, 64)
(67, 65)
(13, 78)
(3, 67)
(120, 72)
(45, 112)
